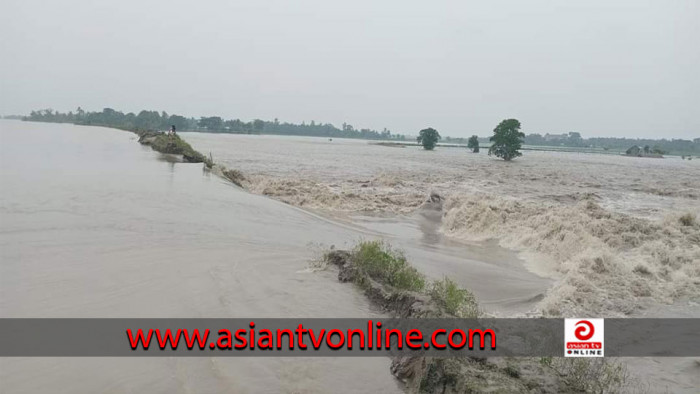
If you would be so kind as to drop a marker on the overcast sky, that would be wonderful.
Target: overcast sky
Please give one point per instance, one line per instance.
(599, 67)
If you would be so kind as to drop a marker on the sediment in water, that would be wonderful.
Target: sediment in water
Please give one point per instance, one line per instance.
(436, 375)
(607, 264)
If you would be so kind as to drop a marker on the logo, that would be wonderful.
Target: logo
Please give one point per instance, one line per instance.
(584, 337)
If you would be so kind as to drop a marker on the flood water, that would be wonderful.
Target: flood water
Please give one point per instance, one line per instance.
(95, 225)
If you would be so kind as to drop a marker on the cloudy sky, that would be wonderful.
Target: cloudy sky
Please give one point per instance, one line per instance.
(600, 67)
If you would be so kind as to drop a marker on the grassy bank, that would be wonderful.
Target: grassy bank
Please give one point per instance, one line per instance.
(173, 144)
(375, 263)
(388, 279)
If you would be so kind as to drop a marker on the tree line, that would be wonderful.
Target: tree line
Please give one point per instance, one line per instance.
(506, 141)
(154, 120)
(574, 139)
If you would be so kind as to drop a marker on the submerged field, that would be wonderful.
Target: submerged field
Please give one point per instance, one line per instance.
(607, 228)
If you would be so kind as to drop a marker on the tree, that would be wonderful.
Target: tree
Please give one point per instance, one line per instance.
(146, 120)
(258, 125)
(507, 140)
(428, 138)
(473, 144)
(575, 139)
(180, 122)
(658, 150)
(212, 123)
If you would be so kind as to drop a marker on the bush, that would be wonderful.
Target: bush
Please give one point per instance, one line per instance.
(512, 371)
(591, 375)
(455, 300)
(687, 220)
(386, 265)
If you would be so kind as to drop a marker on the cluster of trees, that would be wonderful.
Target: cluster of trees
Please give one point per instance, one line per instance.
(145, 120)
(506, 141)
(574, 139)
(154, 120)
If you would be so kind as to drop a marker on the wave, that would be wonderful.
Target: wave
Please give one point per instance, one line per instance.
(606, 263)
(380, 193)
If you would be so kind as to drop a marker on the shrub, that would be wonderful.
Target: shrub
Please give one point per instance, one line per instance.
(687, 220)
(641, 269)
(455, 300)
(591, 375)
(512, 371)
(386, 265)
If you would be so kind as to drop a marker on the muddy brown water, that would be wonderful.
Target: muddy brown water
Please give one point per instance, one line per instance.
(95, 225)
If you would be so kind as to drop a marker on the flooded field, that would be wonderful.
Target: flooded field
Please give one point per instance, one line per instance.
(95, 225)
(606, 228)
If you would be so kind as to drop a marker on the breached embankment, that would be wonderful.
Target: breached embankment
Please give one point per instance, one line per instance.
(391, 283)
(605, 263)
(607, 229)
(562, 229)
(172, 144)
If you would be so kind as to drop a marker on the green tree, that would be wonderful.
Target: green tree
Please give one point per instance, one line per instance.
(212, 123)
(473, 144)
(259, 125)
(180, 122)
(428, 138)
(145, 120)
(658, 150)
(507, 140)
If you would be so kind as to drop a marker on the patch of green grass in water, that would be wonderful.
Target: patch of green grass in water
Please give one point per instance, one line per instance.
(387, 265)
(455, 300)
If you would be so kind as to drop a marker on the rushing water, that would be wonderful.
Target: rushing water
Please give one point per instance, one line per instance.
(563, 210)
(368, 176)
(95, 225)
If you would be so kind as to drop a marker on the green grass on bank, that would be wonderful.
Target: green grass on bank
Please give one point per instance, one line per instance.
(455, 300)
(386, 265)
(173, 144)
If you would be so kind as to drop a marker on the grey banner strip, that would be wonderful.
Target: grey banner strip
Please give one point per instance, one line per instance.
(514, 337)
